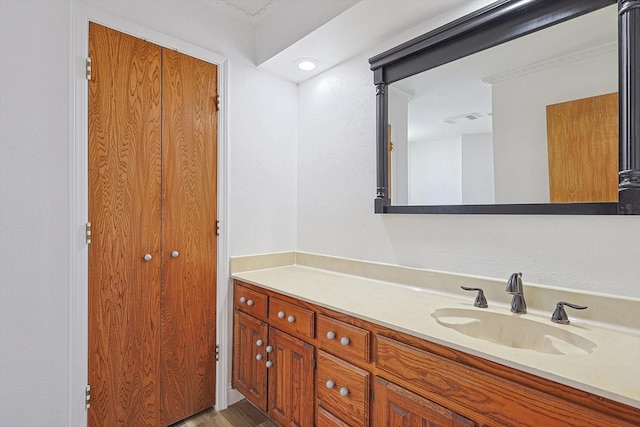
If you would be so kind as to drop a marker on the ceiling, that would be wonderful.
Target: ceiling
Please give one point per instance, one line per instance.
(249, 11)
(329, 31)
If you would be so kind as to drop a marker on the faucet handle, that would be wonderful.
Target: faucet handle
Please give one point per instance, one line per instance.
(560, 316)
(514, 284)
(480, 301)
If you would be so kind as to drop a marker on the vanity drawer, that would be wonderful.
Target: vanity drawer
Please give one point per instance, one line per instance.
(250, 301)
(325, 419)
(290, 317)
(342, 339)
(342, 390)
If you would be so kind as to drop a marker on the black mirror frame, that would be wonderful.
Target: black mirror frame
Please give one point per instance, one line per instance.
(498, 23)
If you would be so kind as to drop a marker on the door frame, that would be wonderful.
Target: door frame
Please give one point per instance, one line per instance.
(81, 15)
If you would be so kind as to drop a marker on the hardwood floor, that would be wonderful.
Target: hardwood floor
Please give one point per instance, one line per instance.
(241, 414)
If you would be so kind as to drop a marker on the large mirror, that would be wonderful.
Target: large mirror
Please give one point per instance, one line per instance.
(513, 109)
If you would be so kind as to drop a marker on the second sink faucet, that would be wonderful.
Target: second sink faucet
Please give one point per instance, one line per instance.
(514, 287)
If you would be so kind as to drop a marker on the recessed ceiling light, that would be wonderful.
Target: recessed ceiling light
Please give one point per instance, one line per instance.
(306, 64)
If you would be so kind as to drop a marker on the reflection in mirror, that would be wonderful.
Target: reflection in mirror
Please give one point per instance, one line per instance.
(528, 121)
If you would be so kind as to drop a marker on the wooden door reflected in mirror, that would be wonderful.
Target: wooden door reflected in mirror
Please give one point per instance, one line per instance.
(582, 138)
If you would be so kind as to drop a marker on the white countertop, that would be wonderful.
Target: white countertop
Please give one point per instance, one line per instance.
(612, 370)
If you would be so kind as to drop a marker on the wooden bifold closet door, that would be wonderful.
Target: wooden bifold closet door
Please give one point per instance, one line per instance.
(152, 205)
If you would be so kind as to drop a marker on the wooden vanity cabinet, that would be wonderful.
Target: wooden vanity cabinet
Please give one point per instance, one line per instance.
(390, 378)
(271, 368)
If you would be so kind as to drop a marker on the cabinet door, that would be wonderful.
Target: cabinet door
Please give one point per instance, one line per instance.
(396, 406)
(291, 397)
(249, 369)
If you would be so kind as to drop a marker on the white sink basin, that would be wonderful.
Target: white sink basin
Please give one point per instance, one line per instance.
(513, 331)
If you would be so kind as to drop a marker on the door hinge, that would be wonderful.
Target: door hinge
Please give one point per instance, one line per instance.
(315, 363)
(88, 68)
(217, 352)
(88, 232)
(217, 228)
(87, 396)
(217, 103)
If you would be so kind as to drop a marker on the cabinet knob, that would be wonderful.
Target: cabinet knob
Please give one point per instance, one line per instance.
(243, 299)
(259, 343)
(291, 319)
(148, 257)
(331, 335)
(330, 384)
(250, 302)
(345, 340)
(269, 363)
(258, 356)
(269, 349)
(175, 254)
(344, 392)
(281, 315)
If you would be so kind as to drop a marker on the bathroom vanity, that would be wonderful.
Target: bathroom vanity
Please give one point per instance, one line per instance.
(335, 347)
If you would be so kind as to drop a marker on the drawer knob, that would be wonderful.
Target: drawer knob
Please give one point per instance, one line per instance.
(243, 299)
(291, 319)
(345, 341)
(344, 392)
(331, 335)
(330, 384)
(259, 343)
(250, 302)
(281, 315)
(269, 349)
(269, 363)
(258, 356)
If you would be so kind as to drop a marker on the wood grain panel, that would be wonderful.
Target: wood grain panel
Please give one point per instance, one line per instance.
(352, 408)
(124, 209)
(189, 173)
(250, 374)
(357, 346)
(325, 419)
(255, 303)
(394, 406)
(582, 139)
(290, 380)
(494, 399)
(301, 323)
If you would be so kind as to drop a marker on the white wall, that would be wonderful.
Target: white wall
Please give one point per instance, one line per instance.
(336, 189)
(477, 169)
(34, 212)
(398, 120)
(435, 172)
(36, 54)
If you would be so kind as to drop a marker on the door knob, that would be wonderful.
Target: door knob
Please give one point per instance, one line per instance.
(175, 254)
(147, 257)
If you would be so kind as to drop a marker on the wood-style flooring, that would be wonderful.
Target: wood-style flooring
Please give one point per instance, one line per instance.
(241, 414)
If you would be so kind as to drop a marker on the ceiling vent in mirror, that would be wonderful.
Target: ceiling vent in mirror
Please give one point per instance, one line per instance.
(464, 117)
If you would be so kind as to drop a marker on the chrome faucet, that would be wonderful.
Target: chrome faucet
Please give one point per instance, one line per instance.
(560, 316)
(514, 287)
